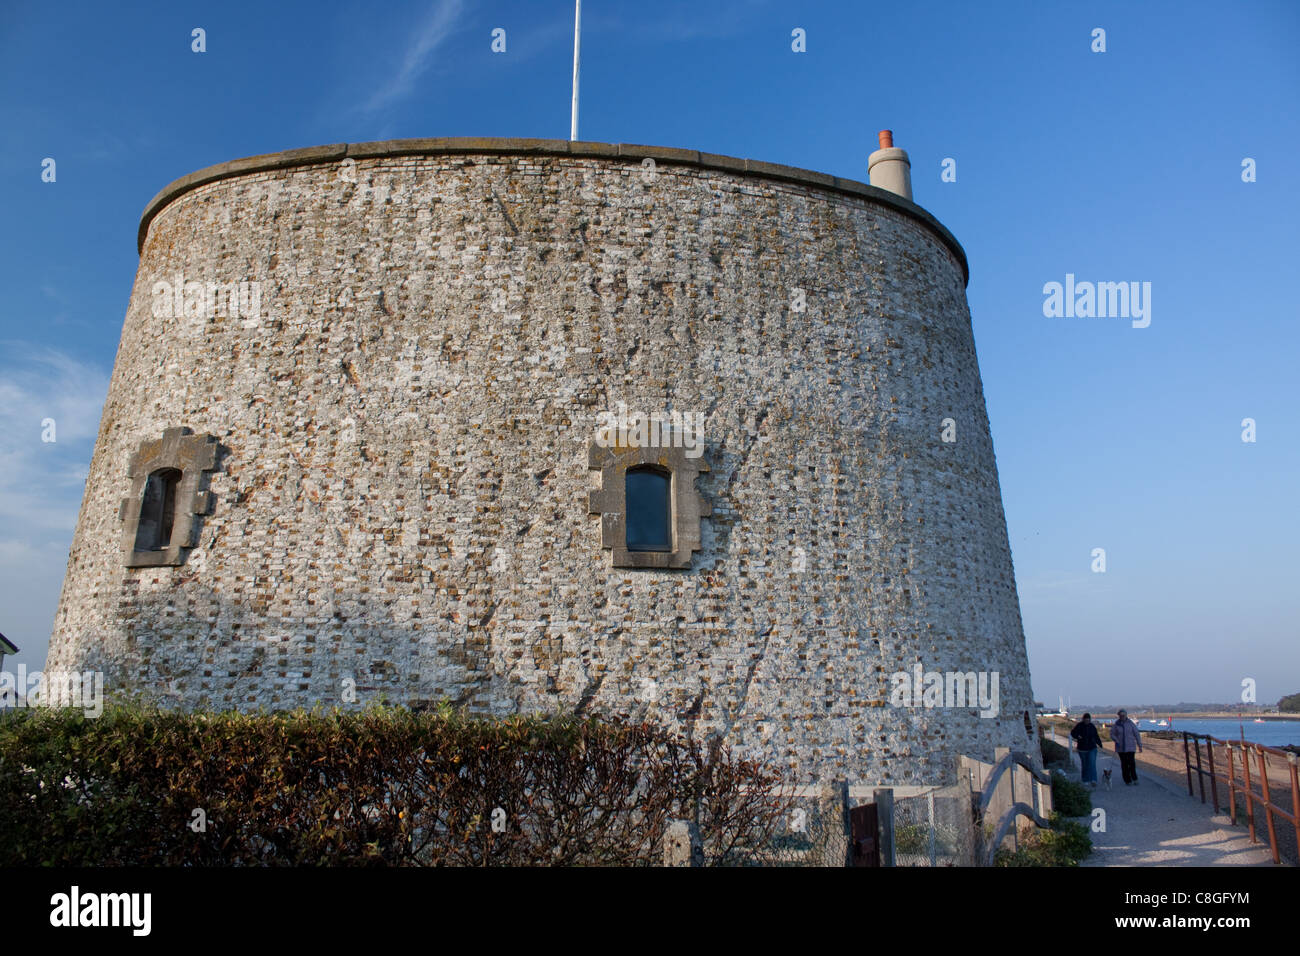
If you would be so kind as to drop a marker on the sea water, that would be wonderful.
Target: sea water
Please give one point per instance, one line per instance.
(1271, 733)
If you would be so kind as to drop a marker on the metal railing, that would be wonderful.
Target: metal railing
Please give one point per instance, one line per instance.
(1241, 784)
(1017, 809)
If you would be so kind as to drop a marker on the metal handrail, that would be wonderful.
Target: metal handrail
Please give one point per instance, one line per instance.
(1017, 809)
(1243, 785)
(1016, 757)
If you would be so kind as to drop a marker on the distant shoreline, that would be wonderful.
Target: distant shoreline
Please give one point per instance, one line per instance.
(1231, 716)
(1189, 715)
(1280, 732)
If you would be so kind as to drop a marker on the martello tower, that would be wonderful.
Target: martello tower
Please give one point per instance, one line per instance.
(536, 424)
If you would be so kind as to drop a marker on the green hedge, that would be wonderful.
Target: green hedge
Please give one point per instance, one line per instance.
(374, 787)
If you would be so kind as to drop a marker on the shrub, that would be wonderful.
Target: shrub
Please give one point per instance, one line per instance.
(371, 788)
(1065, 844)
(1054, 753)
(913, 839)
(1070, 799)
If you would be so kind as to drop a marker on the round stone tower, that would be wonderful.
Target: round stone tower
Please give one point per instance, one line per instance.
(534, 424)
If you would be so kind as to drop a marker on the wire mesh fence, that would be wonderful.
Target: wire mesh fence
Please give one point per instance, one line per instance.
(931, 826)
(813, 834)
(935, 828)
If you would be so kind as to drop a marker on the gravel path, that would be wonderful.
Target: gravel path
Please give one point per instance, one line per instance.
(1157, 824)
(1167, 756)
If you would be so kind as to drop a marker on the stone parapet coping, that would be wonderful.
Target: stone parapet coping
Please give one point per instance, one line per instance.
(337, 152)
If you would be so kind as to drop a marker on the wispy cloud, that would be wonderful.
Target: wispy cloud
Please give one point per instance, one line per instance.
(443, 20)
(107, 147)
(41, 482)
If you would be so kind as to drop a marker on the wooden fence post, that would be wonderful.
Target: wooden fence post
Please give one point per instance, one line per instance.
(1214, 787)
(1295, 796)
(682, 844)
(1232, 784)
(1268, 805)
(1249, 790)
(885, 821)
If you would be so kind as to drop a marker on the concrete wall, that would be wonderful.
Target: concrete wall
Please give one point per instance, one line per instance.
(400, 497)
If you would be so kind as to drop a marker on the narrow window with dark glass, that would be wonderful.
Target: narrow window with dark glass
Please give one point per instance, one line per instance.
(649, 510)
(158, 511)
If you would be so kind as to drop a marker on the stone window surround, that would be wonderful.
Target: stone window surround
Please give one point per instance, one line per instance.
(193, 456)
(610, 502)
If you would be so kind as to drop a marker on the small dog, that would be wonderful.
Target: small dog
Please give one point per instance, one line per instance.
(1105, 777)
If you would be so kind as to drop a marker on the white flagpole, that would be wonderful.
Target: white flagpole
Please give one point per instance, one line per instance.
(577, 37)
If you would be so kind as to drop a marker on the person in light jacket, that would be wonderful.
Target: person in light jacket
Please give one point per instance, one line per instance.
(1124, 734)
(1087, 742)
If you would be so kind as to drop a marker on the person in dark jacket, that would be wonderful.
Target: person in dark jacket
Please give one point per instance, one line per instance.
(1087, 742)
(1124, 734)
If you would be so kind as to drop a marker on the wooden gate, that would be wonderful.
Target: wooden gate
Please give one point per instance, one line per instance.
(864, 825)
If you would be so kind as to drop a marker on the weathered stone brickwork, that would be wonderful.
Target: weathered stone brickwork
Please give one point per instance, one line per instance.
(402, 351)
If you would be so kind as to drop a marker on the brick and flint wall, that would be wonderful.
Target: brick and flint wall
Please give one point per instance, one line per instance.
(403, 349)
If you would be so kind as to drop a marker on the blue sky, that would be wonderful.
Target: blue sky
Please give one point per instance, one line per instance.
(1117, 166)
